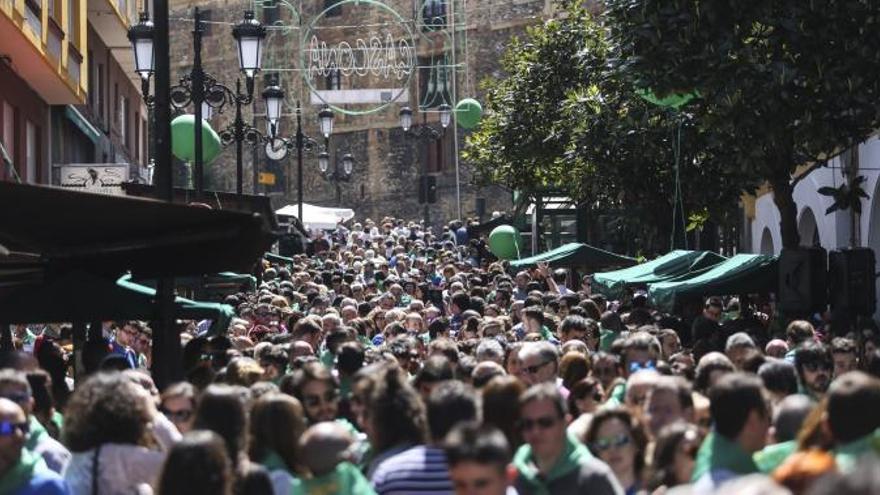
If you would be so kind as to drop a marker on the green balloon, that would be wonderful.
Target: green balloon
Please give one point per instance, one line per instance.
(468, 113)
(505, 242)
(183, 139)
(672, 100)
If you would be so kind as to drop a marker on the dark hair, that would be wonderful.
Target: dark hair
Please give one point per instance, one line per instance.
(714, 361)
(500, 405)
(732, 398)
(311, 372)
(779, 376)
(450, 402)
(843, 345)
(222, 411)
(350, 358)
(668, 441)
(799, 331)
(462, 300)
(812, 352)
(196, 465)
(544, 391)
(106, 408)
(581, 389)
(435, 369)
(479, 443)
(395, 411)
(573, 367)
(276, 423)
(534, 312)
(853, 402)
(636, 431)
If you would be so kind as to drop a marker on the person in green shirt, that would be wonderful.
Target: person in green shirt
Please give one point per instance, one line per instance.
(741, 418)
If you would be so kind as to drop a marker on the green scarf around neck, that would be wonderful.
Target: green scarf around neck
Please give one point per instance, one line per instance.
(572, 455)
(345, 479)
(717, 452)
(21, 473)
(36, 433)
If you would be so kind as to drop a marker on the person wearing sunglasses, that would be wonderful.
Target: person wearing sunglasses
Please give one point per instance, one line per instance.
(540, 363)
(814, 365)
(21, 471)
(616, 437)
(551, 461)
(317, 389)
(15, 387)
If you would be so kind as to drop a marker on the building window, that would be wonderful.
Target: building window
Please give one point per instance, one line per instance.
(332, 81)
(123, 120)
(99, 95)
(434, 15)
(73, 22)
(137, 137)
(31, 152)
(271, 12)
(7, 133)
(436, 155)
(434, 82)
(335, 8)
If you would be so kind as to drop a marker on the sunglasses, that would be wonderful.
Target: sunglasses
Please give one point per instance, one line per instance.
(317, 400)
(636, 366)
(8, 428)
(534, 369)
(543, 423)
(817, 366)
(179, 415)
(616, 442)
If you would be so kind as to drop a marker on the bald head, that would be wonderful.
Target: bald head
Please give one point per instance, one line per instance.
(326, 443)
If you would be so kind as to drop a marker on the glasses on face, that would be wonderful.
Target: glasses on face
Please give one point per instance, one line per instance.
(637, 366)
(534, 369)
(316, 400)
(615, 442)
(816, 366)
(8, 428)
(178, 416)
(543, 423)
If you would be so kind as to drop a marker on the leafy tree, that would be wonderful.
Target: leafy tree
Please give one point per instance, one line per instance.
(783, 84)
(561, 119)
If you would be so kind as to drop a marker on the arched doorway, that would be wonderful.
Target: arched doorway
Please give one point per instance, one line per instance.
(767, 242)
(874, 236)
(807, 228)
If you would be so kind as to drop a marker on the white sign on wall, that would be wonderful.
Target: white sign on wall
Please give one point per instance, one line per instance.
(95, 177)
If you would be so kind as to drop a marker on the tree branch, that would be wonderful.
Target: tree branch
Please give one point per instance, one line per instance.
(816, 165)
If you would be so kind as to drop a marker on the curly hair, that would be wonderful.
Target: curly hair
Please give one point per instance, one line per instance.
(107, 408)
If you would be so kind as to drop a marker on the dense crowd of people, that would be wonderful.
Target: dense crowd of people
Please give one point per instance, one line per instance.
(392, 360)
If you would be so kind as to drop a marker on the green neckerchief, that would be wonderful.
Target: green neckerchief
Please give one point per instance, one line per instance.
(617, 396)
(848, 455)
(36, 433)
(772, 456)
(345, 479)
(327, 359)
(21, 473)
(606, 338)
(545, 332)
(274, 462)
(718, 452)
(572, 455)
(58, 419)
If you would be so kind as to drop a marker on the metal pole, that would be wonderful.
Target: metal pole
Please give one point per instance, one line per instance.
(198, 96)
(239, 137)
(300, 144)
(453, 124)
(166, 345)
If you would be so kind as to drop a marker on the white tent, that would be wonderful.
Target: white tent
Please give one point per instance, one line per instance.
(317, 217)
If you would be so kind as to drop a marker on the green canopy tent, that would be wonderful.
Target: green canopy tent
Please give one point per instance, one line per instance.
(678, 264)
(278, 259)
(212, 287)
(576, 254)
(82, 296)
(741, 274)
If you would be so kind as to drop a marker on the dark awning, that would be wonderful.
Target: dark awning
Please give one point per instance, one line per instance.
(576, 254)
(111, 235)
(82, 297)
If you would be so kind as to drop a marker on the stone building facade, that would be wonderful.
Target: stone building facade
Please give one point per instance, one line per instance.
(458, 44)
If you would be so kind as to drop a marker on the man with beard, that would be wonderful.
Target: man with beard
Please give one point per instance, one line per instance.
(814, 365)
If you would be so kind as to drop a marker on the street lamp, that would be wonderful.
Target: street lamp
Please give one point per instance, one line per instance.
(277, 148)
(249, 34)
(406, 117)
(141, 37)
(445, 115)
(325, 118)
(342, 171)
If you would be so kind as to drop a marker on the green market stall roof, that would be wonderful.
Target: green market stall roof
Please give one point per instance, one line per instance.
(576, 254)
(80, 296)
(112, 235)
(678, 264)
(741, 274)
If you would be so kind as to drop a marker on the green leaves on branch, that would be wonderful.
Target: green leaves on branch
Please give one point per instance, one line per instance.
(846, 196)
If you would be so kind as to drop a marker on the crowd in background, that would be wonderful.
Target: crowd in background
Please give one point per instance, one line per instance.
(393, 360)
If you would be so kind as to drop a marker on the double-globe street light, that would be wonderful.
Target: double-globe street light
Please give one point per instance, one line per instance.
(427, 184)
(341, 172)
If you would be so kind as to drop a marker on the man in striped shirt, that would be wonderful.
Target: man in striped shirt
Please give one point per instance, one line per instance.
(423, 469)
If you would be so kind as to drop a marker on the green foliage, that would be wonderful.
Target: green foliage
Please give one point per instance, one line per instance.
(566, 118)
(846, 196)
(783, 82)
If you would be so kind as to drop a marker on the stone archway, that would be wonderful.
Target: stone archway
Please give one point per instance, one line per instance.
(808, 229)
(767, 242)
